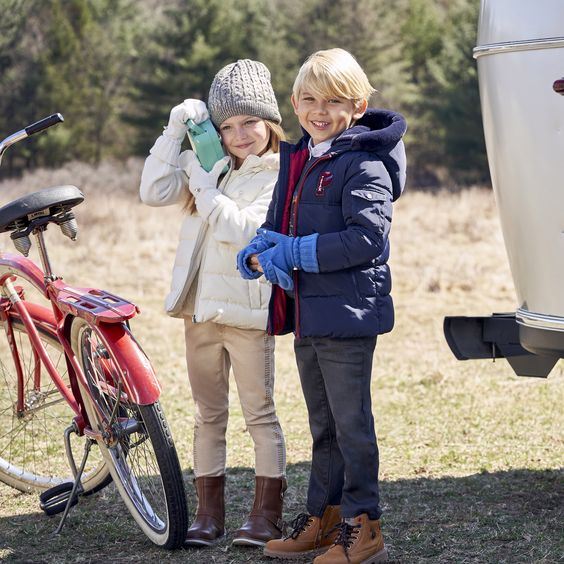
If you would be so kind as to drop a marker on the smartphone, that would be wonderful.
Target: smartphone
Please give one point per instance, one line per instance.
(206, 143)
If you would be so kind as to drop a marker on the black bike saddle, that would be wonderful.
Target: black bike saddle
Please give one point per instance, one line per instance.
(47, 202)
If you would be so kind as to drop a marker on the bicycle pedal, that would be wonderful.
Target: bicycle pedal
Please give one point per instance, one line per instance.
(55, 499)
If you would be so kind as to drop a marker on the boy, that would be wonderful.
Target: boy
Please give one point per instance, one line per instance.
(324, 246)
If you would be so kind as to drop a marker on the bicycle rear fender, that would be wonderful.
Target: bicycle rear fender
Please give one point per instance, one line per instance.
(140, 381)
(108, 313)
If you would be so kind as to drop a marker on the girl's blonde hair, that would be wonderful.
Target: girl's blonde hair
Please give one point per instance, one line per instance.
(277, 135)
(333, 72)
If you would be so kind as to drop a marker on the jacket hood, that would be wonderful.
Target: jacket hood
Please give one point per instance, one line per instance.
(380, 132)
(375, 131)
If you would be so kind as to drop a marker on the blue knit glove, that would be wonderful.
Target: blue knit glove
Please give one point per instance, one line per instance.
(287, 254)
(256, 246)
(276, 275)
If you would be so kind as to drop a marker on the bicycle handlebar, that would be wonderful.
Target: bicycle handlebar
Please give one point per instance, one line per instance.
(30, 130)
(44, 124)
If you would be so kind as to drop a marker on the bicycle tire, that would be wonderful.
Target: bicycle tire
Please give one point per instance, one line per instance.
(137, 443)
(32, 453)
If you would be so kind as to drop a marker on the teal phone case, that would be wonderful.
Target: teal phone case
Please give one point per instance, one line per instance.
(206, 143)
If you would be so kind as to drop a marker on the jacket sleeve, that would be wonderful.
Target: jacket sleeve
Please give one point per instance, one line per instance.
(367, 212)
(162, 182)
(228, 222)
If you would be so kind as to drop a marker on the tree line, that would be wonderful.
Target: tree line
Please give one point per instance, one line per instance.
(114, 68)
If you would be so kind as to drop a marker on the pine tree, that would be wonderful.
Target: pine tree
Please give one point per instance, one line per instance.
(445, 137)
(21, 41)
(459, 110)
(192, 41)
(421, 46)
(89, 49)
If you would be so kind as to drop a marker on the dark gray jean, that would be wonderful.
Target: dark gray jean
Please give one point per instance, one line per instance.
(335, 376)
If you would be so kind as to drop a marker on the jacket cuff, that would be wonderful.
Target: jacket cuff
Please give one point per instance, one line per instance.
(308, 253)
(167, 149)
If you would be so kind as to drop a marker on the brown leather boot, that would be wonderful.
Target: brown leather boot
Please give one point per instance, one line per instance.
(358, 543)
(310, 535)
(209, 524)
(265, 520)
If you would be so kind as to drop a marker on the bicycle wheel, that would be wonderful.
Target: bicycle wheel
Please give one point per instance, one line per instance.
(32, 452)
(137, 443)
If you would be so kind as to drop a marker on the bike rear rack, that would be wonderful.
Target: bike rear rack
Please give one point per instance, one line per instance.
(96, 306)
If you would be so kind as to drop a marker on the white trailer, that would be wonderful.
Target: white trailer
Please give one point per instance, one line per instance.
(520, 58)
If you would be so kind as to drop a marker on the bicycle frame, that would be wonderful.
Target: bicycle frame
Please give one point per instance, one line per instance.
(107, 311)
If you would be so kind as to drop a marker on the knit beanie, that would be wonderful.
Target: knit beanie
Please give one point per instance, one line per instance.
(242, 88)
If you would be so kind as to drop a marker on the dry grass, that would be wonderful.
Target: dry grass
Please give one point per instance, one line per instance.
(471, 455)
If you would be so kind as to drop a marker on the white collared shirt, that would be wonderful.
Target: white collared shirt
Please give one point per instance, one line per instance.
(319, 149)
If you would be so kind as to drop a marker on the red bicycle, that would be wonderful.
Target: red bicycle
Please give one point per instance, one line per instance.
(75, 361)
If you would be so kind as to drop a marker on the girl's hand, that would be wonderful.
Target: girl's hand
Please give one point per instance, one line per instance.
(189, 109)
(199, 180)
(254, 264)
(247, 259)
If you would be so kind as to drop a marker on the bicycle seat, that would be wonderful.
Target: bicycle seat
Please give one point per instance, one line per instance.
(50, 201)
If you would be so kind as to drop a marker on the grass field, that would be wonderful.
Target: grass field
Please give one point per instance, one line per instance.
(471, 455)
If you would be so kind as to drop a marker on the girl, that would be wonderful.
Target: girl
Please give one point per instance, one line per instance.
(225, 316)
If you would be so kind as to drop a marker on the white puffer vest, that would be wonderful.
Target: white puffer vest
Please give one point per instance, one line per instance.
(227, 218)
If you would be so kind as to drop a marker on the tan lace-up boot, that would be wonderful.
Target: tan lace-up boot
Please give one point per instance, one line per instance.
(358, 543)
(310, 535)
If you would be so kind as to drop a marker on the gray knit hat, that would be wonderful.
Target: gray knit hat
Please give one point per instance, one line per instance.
(242, 88)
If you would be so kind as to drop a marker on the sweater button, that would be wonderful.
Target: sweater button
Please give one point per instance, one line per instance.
(369, 196)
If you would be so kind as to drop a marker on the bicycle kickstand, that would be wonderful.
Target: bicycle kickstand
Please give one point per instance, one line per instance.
(63, 496)
(72, 500)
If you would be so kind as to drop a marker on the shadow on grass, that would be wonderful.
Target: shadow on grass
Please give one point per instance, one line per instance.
(513, 516)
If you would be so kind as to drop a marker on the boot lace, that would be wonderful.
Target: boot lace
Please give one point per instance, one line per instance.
(298, 525)
(347, 535)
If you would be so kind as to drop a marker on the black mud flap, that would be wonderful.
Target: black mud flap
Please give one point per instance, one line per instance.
(496, 336)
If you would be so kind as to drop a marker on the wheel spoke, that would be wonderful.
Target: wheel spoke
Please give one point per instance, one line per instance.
(13, 434)
(133, 455)
(32, 453)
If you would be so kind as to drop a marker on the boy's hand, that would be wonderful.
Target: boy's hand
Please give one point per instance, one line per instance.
(281, 253)
(278, 261)
(287, 254)
(290, 253)
(276, 275)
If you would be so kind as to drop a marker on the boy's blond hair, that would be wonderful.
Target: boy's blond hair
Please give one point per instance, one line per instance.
(333, 72)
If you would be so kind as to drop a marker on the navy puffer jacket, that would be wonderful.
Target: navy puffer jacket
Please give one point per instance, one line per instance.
(346, 196)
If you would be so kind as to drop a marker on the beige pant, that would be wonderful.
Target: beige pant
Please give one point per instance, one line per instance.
(211, 349)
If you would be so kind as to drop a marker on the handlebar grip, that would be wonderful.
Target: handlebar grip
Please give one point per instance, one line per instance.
(44, 124)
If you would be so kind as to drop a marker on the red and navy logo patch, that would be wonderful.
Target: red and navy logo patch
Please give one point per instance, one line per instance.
(325, 178)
